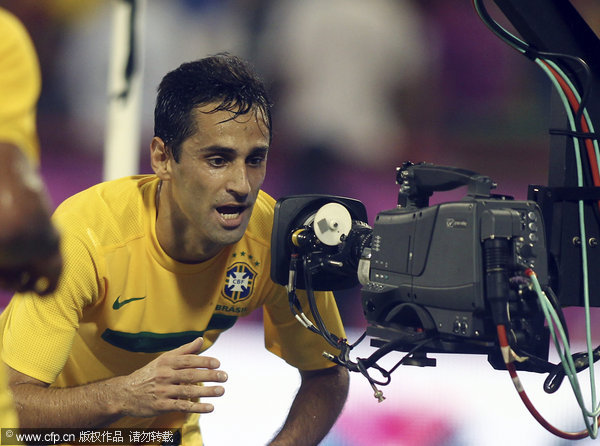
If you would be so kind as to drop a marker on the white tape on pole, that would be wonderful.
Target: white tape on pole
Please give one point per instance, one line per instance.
(123, 121)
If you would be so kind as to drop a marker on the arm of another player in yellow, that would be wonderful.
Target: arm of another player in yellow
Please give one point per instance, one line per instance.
(29, 244)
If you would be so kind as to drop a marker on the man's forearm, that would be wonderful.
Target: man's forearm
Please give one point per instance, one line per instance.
(316, 407)
(89, 406)
(169, 383)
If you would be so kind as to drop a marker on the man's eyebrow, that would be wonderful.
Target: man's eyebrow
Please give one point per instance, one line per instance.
(231, 150)
(260, 150)
(216, 149)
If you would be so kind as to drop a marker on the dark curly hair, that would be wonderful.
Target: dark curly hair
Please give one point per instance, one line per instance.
(222, 78)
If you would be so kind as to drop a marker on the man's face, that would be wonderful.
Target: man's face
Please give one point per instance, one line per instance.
(216, 181)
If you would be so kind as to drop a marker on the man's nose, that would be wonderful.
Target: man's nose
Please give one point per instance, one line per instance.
(239, 183)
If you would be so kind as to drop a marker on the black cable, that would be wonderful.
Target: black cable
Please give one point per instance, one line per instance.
(364, 371)
(295, 306)
(572, 134)
(359, 340)
(581, 362)
(329, 337)
(532, 53)
(493, 25)
(411, 353)
(363, 364)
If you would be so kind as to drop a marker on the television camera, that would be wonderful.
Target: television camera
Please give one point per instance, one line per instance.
(478, 275)
(466, 276)
(434, 278)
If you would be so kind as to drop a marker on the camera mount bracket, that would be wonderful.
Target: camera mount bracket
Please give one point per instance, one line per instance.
(419, 181)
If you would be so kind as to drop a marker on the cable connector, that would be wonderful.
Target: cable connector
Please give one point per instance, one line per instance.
(378, 394)
(329, 356)
(335, 359)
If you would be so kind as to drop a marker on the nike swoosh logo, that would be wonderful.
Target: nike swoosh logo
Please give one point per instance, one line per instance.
(119, 303)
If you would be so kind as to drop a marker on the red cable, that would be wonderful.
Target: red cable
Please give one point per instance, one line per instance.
(512, 370)
(593, 161)
(584, 126)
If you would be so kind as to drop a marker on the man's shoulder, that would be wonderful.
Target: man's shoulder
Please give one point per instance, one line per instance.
(113, 193)
(20, 84)
(112, 207)
(11, 26)
(16, 46)
(265, 202)
(261, 223)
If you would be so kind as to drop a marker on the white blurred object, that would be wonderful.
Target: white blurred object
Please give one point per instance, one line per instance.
(123, 117)
(174, 35)
(342, 64)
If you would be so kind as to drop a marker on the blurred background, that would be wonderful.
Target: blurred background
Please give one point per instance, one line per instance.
(359, 87)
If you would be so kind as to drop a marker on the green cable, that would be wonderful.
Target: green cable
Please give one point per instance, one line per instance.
(582, 225)
(521, 46)
(586, 294)
(566, 357)
(585, 112)
(584, 248)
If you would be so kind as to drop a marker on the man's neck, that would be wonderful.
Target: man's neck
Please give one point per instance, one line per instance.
(177, 239)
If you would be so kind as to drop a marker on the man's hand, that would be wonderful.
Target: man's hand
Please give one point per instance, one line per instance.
(167, 384)
(170, 383)
(30, 257)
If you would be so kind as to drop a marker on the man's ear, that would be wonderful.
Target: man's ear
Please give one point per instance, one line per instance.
(160, 157)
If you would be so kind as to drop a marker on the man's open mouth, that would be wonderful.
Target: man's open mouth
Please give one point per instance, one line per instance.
(230, 212)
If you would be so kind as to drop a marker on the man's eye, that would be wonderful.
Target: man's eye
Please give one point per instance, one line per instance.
(217, 162)
(256, 161)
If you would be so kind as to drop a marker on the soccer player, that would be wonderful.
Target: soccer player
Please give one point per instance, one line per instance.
(157, 266)
(29, 253)
(29, 249)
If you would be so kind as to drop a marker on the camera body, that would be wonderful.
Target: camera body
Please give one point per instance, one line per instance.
(435, 276)
(428, 271)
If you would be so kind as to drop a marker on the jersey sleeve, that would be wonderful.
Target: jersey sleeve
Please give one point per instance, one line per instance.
(20, 84)
(38, 332)
(297, 345)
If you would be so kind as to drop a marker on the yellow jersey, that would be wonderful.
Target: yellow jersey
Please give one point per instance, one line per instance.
(122, 300)
(20, 85)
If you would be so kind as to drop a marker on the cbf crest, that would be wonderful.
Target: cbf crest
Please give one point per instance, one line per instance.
(239, 282)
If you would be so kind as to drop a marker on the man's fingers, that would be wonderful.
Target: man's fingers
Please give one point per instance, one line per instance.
(187, 398)
(187, 406)
(188, 367)
(182, 404)
(187, 356)
(193, 376)
(193, 391)
(48, 275)
(39, 275)
(172, 382)
(191, 348)
(194, 362)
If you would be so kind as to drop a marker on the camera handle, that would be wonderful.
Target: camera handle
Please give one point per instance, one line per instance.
(419, 181)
